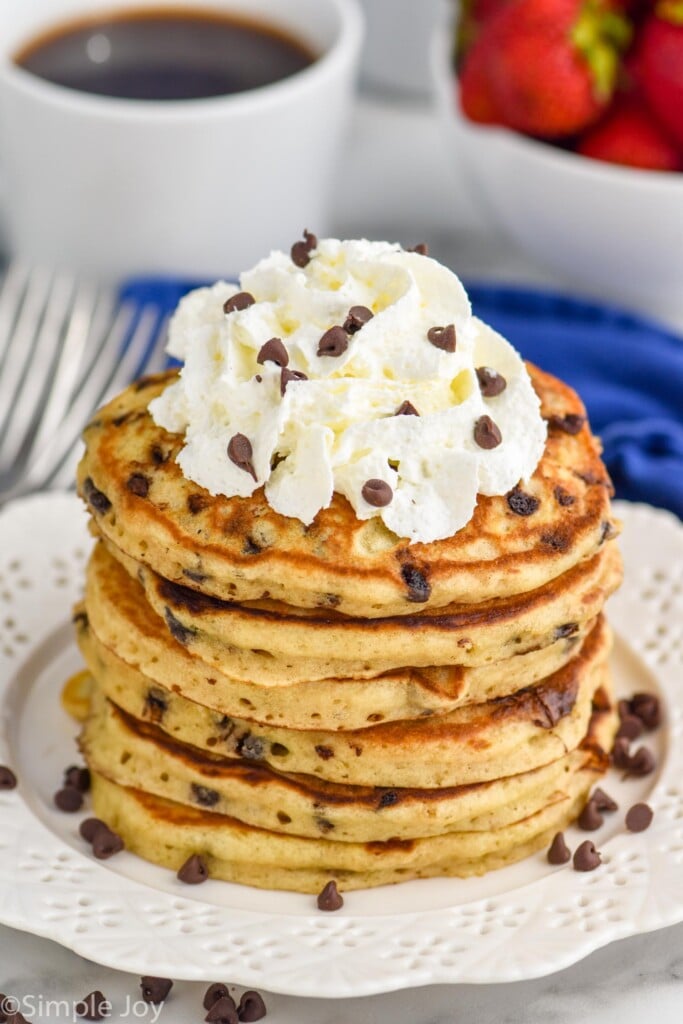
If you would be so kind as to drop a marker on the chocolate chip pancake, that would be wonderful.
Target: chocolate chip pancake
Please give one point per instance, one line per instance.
(475, 743)
(130, 753)
(128, 646)
(239, 549)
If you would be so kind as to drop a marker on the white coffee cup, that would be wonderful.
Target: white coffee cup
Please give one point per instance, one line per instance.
(113, 187)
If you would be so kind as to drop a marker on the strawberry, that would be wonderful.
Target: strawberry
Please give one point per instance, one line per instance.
(477, 100)
(659, 56)
(629, 135)
(551, 65)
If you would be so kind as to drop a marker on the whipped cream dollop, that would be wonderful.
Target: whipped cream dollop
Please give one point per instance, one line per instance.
(356, 367)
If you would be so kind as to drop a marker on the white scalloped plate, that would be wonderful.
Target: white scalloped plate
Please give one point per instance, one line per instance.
(521, 922)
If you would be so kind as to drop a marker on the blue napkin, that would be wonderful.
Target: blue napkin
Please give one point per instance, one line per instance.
(628, 371)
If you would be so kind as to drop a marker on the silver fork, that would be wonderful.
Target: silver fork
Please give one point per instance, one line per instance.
(65, 348)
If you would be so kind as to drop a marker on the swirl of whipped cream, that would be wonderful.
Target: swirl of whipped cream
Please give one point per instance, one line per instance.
(339, 428)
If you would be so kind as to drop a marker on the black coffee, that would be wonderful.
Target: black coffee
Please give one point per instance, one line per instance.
(164, 54)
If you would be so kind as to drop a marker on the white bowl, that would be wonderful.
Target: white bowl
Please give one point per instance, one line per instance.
(614, 231)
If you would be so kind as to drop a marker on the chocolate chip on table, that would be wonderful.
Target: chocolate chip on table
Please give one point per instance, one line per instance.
(491, 383)
(273, 351)
(521, 503)
(569, 424)
(241, 453)
(334, 342)
(630, 728)
(648, 708)
(251, 1007)
(17, 1018)
(406, 409)
(223, 1011)
(68, 799)
(356, 318)
(558, 853)
(590, 818)
(330, 898)
(242, 300)
(486, 433)
(422, 249)
(639, 817)
(89, 827)
(138, 484)
(377, 493)
(442, 337)
(301, 250)
(213, 993)
(586, 857)
(78, 778)
(8, 779)
(603, 801)
(640, 763)
(287, 375)
(94, 1007)
(194, 870)
(155, 990)
(106, 843)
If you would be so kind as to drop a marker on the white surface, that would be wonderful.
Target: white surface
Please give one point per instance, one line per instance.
(518, 923)
(111, 188)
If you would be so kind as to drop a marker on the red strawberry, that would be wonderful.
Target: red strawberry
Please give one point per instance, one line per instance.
(659, 58)
(629, 135)
(477, 99)
(552, 64)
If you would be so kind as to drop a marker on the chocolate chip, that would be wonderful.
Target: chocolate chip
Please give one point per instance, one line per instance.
(556, 541)
(377, 493)
(356, 318)
(486, 433)
(158, 456)
(609, 531)
(287, 375)
(213, 993)
(6, 1007)
(204, 796)
(558, 852)
(8, 779)
(97, 500)
(155, 990)
(569, 424)
(242, 300)
(334, 342)
(251, 1007)
(491, 383)
(68, 799)
(563, 497)
(250, 547)
(194, 870)
(198, 502)
(241, 453)
(422, 249)
(388, 799)
(223, 1011)
(90, 827)
(106, 843)
(586, 857)
(324, 752)
(630, 728)
(330, 897)
(273, 352)
(324, 824)
(17, 1018)
(138, 484)
(642, 762)
(419, 589)
(183, 634)
(442, 337)
(300, 251)
(252, 747)
(406, 409)
(603, 801)
(590, 818)
(93, 1007)
(639, 817)
(521, 503)
(78, 778)
(647, 707)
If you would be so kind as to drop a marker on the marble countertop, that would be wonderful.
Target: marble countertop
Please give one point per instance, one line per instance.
(394, 148)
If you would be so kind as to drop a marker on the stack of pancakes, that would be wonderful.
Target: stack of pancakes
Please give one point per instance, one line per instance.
(296, 704)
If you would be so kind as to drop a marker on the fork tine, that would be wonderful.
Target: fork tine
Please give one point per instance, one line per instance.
(21, 342)
(11, 295)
